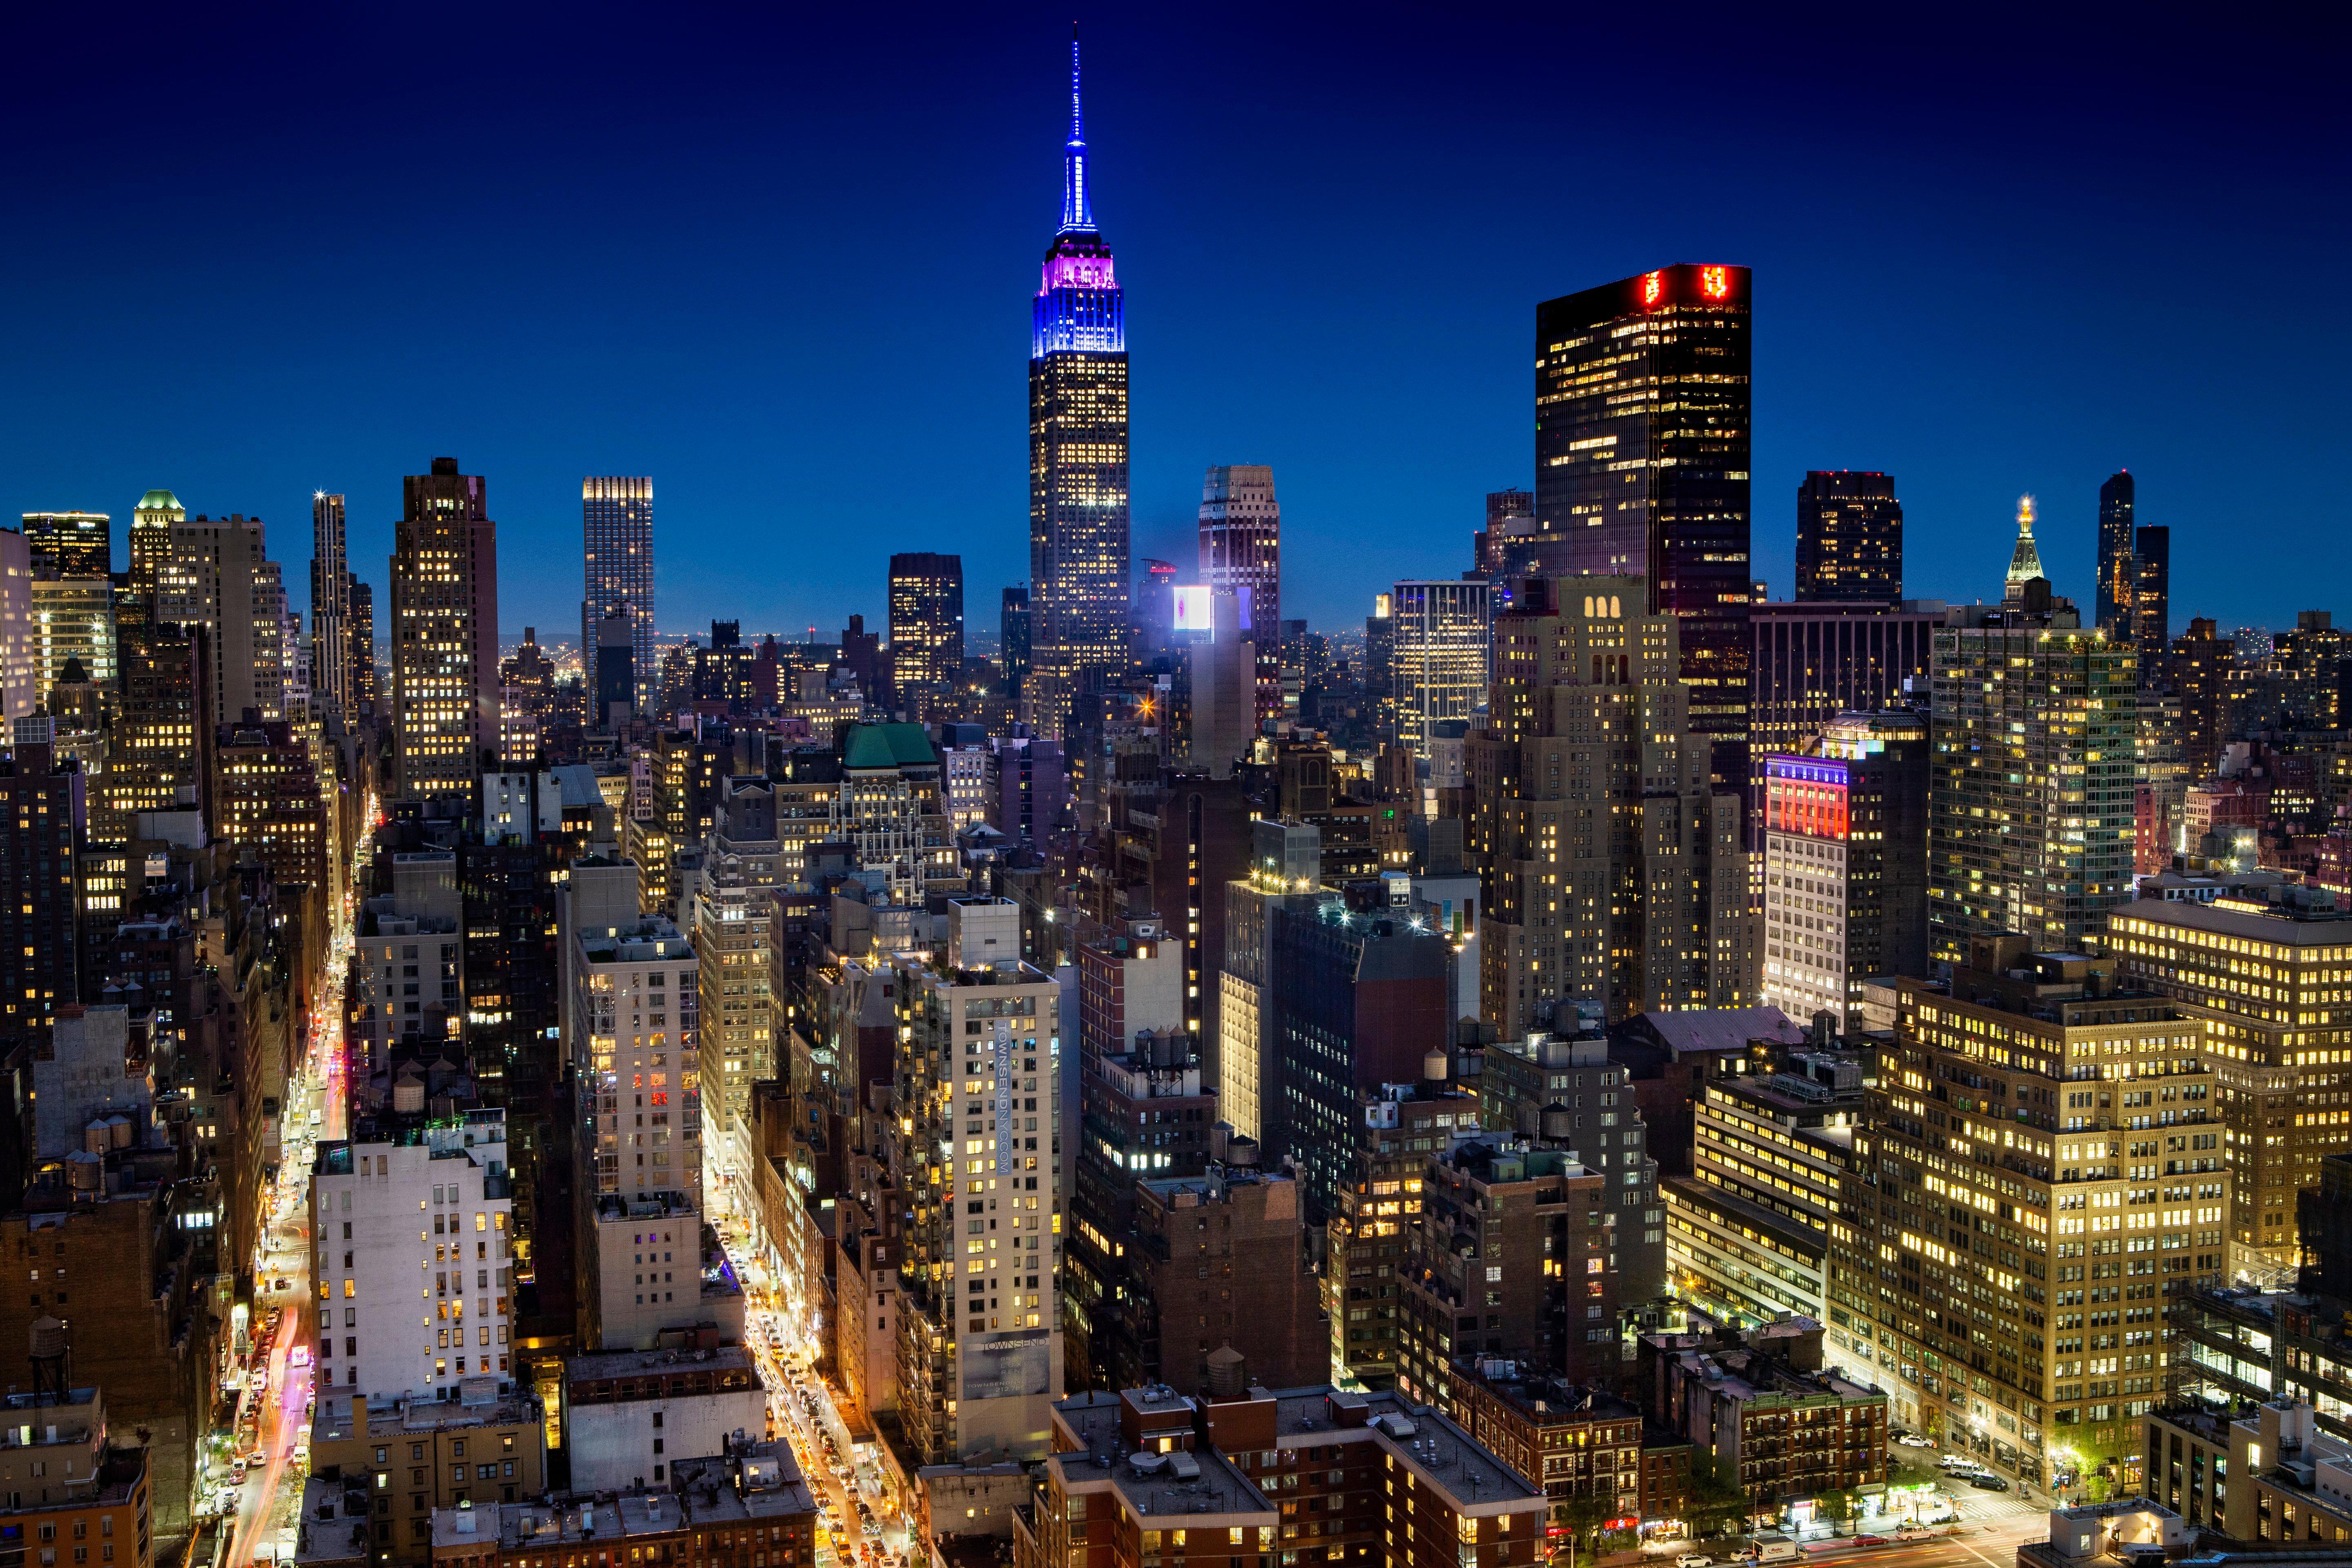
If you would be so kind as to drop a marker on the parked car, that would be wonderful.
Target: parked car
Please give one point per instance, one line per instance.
(1912, 1440)
(1911, 1532)
(1870, 1541)
(1987, 1482)
(1694, 1560)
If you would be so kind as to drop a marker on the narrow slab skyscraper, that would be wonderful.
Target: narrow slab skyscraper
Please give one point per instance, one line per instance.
(616, 552)
(330, 605)
(1077, 456)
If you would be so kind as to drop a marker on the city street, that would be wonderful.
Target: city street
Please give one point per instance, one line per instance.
(791, 1391)
(277, 1458)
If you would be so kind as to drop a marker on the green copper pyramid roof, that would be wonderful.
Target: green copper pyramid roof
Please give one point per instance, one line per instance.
(160, 500)
(888, 746)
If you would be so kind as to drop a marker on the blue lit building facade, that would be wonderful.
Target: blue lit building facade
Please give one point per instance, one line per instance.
(1077, 457)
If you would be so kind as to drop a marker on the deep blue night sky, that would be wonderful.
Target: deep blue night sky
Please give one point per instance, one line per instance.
(783, 265)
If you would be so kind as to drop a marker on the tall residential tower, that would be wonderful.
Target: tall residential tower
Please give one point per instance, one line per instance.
(617, 549)
(1077, 456)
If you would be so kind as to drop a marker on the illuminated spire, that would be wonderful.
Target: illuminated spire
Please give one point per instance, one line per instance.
(1078, 214)
(2025, 562)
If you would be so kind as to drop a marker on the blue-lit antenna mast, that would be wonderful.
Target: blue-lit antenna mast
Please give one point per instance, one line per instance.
(1077, 217)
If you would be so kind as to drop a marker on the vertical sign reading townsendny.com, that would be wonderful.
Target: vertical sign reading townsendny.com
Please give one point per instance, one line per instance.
(1005, 1142)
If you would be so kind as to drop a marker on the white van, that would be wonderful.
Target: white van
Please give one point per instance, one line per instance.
(1773, 1549)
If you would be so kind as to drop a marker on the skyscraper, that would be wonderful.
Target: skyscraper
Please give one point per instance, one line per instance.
(21, 689)
(617, 548)
(613, 673)
(926, 624)
(2118, 570)
(72, 622)
(1077, 456)
(1510, 543)
(1849, 537)
(330, 605)
(2024, 560)
(1642, 441)
(1845, 890)
(2030, 812)
(218, 575)
(163, 741)
(1440, 644)
(980, 1348)
(1241, 549)
(44, 826)
(1224, 706)
(359, 640)
(1811, 662)
(631, 979)
(1013, 639)
(70, 544)
(445, 637)
(2151, 625)
(1613, 869)
(151, 537)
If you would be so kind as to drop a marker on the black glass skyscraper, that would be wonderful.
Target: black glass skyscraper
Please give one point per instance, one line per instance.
(1078, 457)
(330, 578)
(1849, 538)
(2117, 571)
(926, 623)
(2152, 601)
(1012, 633)
(616, 555)
(1641, 440)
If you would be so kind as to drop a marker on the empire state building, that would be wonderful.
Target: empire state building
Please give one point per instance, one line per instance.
(1078, 457)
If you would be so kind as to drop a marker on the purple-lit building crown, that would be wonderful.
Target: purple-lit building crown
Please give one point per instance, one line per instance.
(1077, 308)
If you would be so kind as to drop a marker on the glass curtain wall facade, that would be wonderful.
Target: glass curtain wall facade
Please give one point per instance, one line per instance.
(1441, 643)
(2118, 569)
(616, 542)
(1641, 465)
